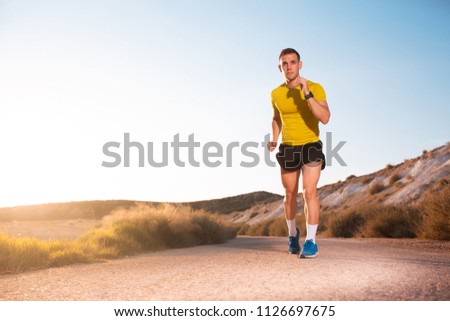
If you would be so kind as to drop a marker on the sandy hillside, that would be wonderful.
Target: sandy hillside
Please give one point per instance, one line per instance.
(404, 183)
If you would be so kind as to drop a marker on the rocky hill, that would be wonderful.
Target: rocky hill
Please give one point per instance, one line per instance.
(404, 183)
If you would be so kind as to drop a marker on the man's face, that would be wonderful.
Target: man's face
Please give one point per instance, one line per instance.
(290, 66)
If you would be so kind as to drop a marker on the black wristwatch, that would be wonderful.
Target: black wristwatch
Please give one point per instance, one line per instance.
(310, 95)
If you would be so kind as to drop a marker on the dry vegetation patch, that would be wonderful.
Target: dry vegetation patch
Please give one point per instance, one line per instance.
(436, 215)
(375, 188)
(126, 232)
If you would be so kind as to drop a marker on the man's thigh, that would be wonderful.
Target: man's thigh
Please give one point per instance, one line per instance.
(311, 175)
(289, 180)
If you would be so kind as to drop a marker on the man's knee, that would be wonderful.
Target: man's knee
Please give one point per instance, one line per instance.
(290, 196)
(309, 194)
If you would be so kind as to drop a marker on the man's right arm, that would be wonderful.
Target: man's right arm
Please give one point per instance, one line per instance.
(276, 129)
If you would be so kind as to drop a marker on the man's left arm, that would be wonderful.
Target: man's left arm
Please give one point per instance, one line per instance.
(319, 108)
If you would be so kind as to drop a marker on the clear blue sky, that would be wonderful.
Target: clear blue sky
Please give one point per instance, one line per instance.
(75, 75)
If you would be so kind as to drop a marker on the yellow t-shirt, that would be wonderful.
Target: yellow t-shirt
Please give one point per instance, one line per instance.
(299, 125)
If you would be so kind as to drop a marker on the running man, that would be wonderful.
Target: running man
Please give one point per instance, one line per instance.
(298, 106)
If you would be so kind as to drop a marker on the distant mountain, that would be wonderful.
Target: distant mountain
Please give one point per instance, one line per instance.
(99, 209)
(67, 210)
(404, 183)
(237, 203)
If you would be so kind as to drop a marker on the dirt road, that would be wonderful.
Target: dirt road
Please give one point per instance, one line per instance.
(252, 268)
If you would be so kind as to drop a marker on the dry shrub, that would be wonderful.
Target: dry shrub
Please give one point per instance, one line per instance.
(394, 177)
(347, 224)
(17, 253)
(324, 217)
(375, 188)
(168, 226)
(271, 227)
(375, 221)
(367, 180)
(399, 184)
(436, 215)
(243, 229)
(391, 222)
(69, 255)
(253, 215)
(126, 232)
(442, 182)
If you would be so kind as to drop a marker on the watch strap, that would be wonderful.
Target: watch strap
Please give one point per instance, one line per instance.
(310, 95)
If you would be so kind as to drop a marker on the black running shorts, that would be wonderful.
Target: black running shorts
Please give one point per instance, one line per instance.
(292, 158)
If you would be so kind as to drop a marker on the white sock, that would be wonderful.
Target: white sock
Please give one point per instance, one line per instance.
(292, 227)
(311, 230)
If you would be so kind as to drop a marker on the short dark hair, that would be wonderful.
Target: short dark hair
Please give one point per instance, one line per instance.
(287, 51)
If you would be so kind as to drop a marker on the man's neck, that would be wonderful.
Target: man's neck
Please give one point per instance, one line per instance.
(293, 83)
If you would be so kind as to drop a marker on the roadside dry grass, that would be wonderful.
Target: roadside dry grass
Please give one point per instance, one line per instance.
(436, 215)
(375, 221)
(272, 227)
(125, 232)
